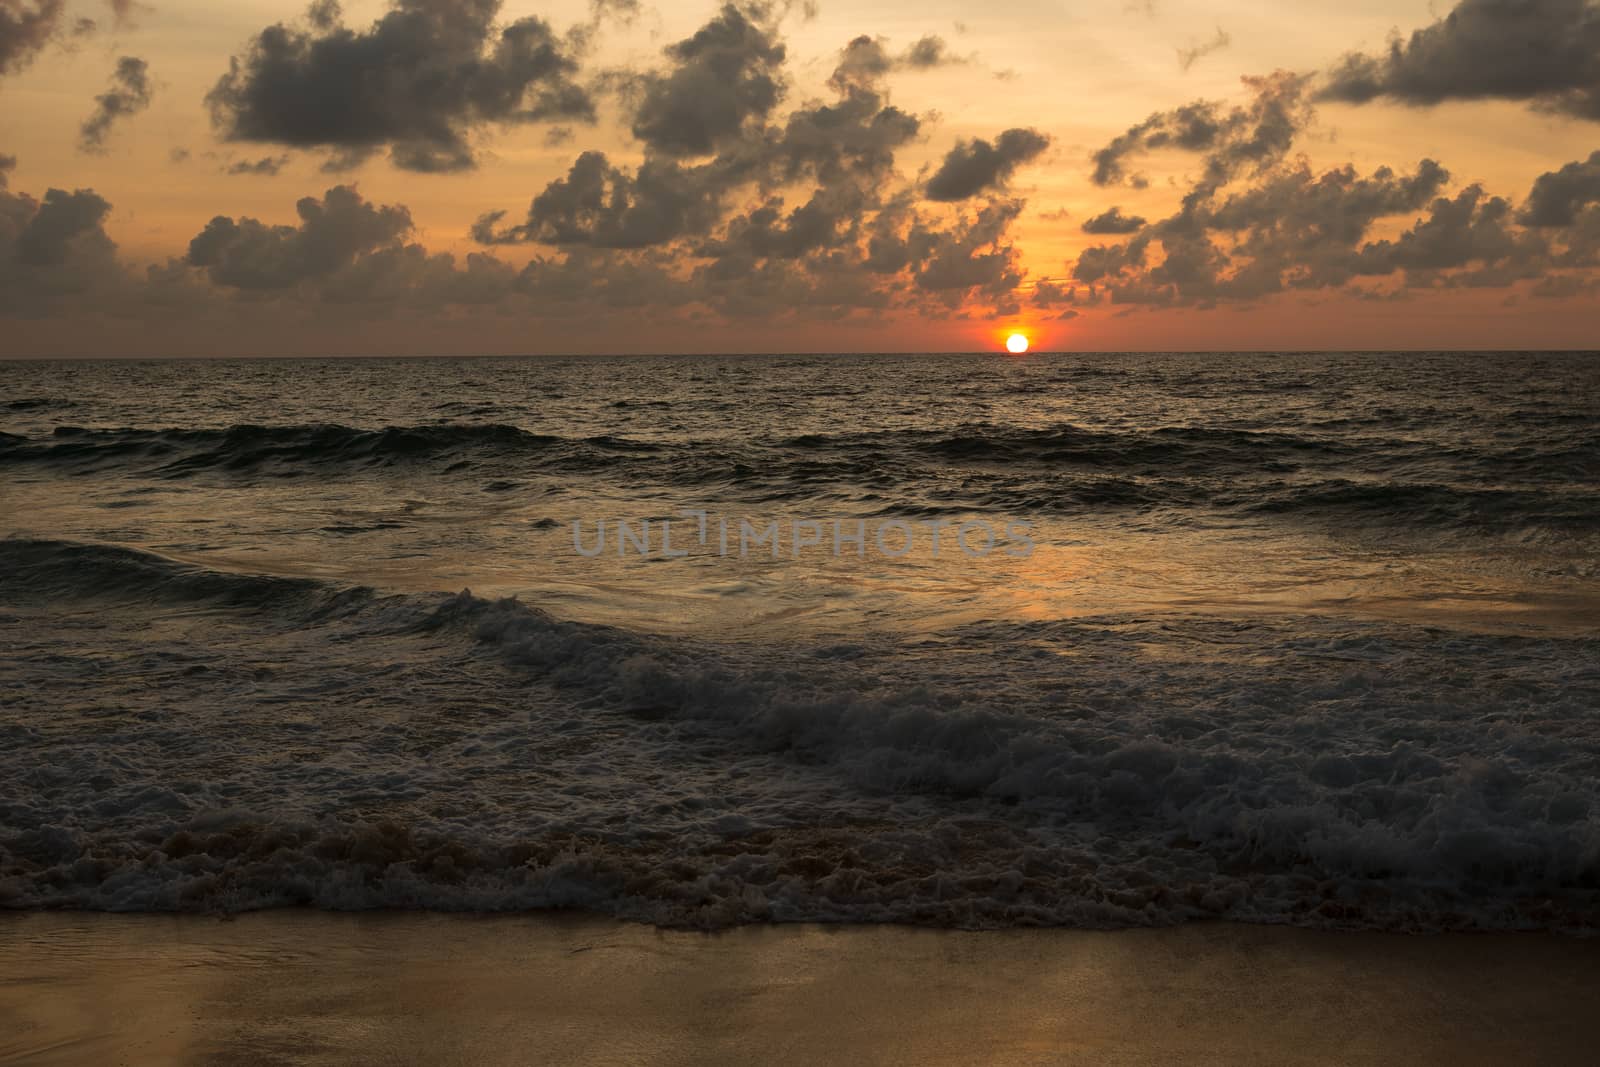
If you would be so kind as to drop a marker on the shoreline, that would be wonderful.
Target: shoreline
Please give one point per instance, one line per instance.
(299, 986)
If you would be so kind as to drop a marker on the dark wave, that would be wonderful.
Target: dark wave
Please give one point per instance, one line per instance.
(1432, 505)
(280, 449)
(51, 571)
(37, 403)
(1063, 470)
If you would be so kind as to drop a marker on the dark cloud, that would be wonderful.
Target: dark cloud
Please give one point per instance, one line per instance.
(1336, 207)
(1252, 225)
(929, 52)
(1578, 245)
(977, 166)
(25, 28)
(129, 95)
(1049, 294)
(803, 214)
(606, 206)
(864, 61)
(345, 252)
(1543, 51)
(1253, 136)
(420, 81)
(1470, 229)
(741, 205)
(54, 252)
(7, 165)
(60, 222)
(845, 147)
(769, 232)
(333, 234)
(1558, 196)
(973, 255)
(725, 76)
(1113, 222)
(857, 135)
(266, 166)
(867, 59)
(1293, 229)
(1188, 57)
(347, 256)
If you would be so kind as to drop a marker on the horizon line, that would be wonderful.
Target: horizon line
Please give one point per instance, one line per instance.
(1000, 353)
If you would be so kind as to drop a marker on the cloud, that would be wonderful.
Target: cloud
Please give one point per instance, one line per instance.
(58, 223)
(1557, 196)
(1188, 57)
(867, 59)
(790, 214)
(864, 61)
(605, 206)
(129, 95)
(266, 166)
(7, 165)
(420, 81)
(841, 145)
(347, 256)
(1293, 229)
(54, 252)
(1251, 226)
(930, 52)
(1253, 223)
(769, 232)
(742, 203)
(725, 76)
(973, 255)
(796, 213)
(1471, 228)
(976, 166)
(333, 233)
(25, 28)
(1113, 222)
(1255, 135)
(1546, 52)
(856, 136)
(624, 11)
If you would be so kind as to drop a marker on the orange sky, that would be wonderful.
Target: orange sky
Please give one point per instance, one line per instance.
(1079, 75)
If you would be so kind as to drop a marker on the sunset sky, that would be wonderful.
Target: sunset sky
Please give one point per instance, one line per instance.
(468, 176)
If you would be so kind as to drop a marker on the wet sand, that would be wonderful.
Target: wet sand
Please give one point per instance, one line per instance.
(308, 987)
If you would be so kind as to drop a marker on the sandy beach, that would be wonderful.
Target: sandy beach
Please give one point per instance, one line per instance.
(308, 987)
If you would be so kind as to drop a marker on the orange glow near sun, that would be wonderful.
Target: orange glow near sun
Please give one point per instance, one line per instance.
(1016, 344)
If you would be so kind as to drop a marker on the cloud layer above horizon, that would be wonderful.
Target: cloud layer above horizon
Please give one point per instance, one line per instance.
(737, 197)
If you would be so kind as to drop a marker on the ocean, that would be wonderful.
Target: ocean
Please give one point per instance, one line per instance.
(966, 641)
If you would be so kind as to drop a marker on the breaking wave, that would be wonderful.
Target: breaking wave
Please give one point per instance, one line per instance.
(344, 749)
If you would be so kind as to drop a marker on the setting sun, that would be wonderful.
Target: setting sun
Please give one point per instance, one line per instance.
(1016, 344)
